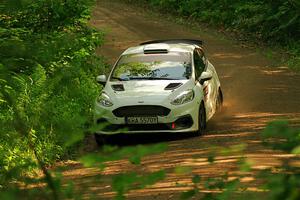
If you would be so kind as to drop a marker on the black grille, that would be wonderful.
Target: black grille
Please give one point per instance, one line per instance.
(141, 110)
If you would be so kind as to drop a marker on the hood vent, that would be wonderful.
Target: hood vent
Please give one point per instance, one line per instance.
(118, 87)
(173, 86)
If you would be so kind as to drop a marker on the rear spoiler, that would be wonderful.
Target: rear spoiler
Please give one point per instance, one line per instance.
(174, 41)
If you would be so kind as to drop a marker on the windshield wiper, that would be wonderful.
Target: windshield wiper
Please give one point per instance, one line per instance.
(120, 79)
(143, 78)
(161, 78)
(152, 78)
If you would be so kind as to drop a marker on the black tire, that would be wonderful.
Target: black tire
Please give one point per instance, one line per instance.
(100, 139)
(219, 101)
(201, 120)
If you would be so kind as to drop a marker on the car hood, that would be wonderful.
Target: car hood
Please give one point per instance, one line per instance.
(146, 92)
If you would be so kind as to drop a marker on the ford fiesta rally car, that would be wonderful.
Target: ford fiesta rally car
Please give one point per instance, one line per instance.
(159, 86)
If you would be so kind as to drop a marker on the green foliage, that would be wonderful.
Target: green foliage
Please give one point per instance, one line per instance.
(285, 185)
(188, 194)
(47, 87)
(278, 20)
(280, 136)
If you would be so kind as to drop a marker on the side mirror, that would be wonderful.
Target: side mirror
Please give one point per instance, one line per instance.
(101, 79)
(205, 76)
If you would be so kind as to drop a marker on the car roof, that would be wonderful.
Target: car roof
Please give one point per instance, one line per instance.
(161, 47)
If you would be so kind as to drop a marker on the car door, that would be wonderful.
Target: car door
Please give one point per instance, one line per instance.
(201, 64)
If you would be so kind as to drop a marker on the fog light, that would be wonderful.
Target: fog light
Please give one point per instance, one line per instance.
(182, 122)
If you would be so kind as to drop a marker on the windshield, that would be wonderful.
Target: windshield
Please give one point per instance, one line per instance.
(171, 66)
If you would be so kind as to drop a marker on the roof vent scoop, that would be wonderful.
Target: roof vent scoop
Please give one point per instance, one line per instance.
(173, 86)
(154, 51)
(156, 48)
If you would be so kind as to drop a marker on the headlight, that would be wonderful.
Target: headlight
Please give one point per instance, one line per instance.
(183, 97)
(104, 100)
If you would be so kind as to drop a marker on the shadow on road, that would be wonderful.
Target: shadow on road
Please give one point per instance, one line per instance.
(145, 138)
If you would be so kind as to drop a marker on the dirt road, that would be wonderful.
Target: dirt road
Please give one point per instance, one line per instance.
(256, 90)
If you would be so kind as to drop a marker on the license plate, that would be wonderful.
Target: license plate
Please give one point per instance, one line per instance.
(141, 120)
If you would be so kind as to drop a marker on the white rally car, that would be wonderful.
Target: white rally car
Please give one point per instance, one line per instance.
(159, 86)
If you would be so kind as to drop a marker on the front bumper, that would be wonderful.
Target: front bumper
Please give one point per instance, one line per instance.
(182, 118)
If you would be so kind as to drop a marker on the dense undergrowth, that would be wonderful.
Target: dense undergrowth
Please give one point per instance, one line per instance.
(47, 84)
(276, 23)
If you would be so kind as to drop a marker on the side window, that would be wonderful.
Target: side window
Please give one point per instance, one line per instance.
(199, 61)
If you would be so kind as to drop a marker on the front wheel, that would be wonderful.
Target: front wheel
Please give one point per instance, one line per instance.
(201, 120)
